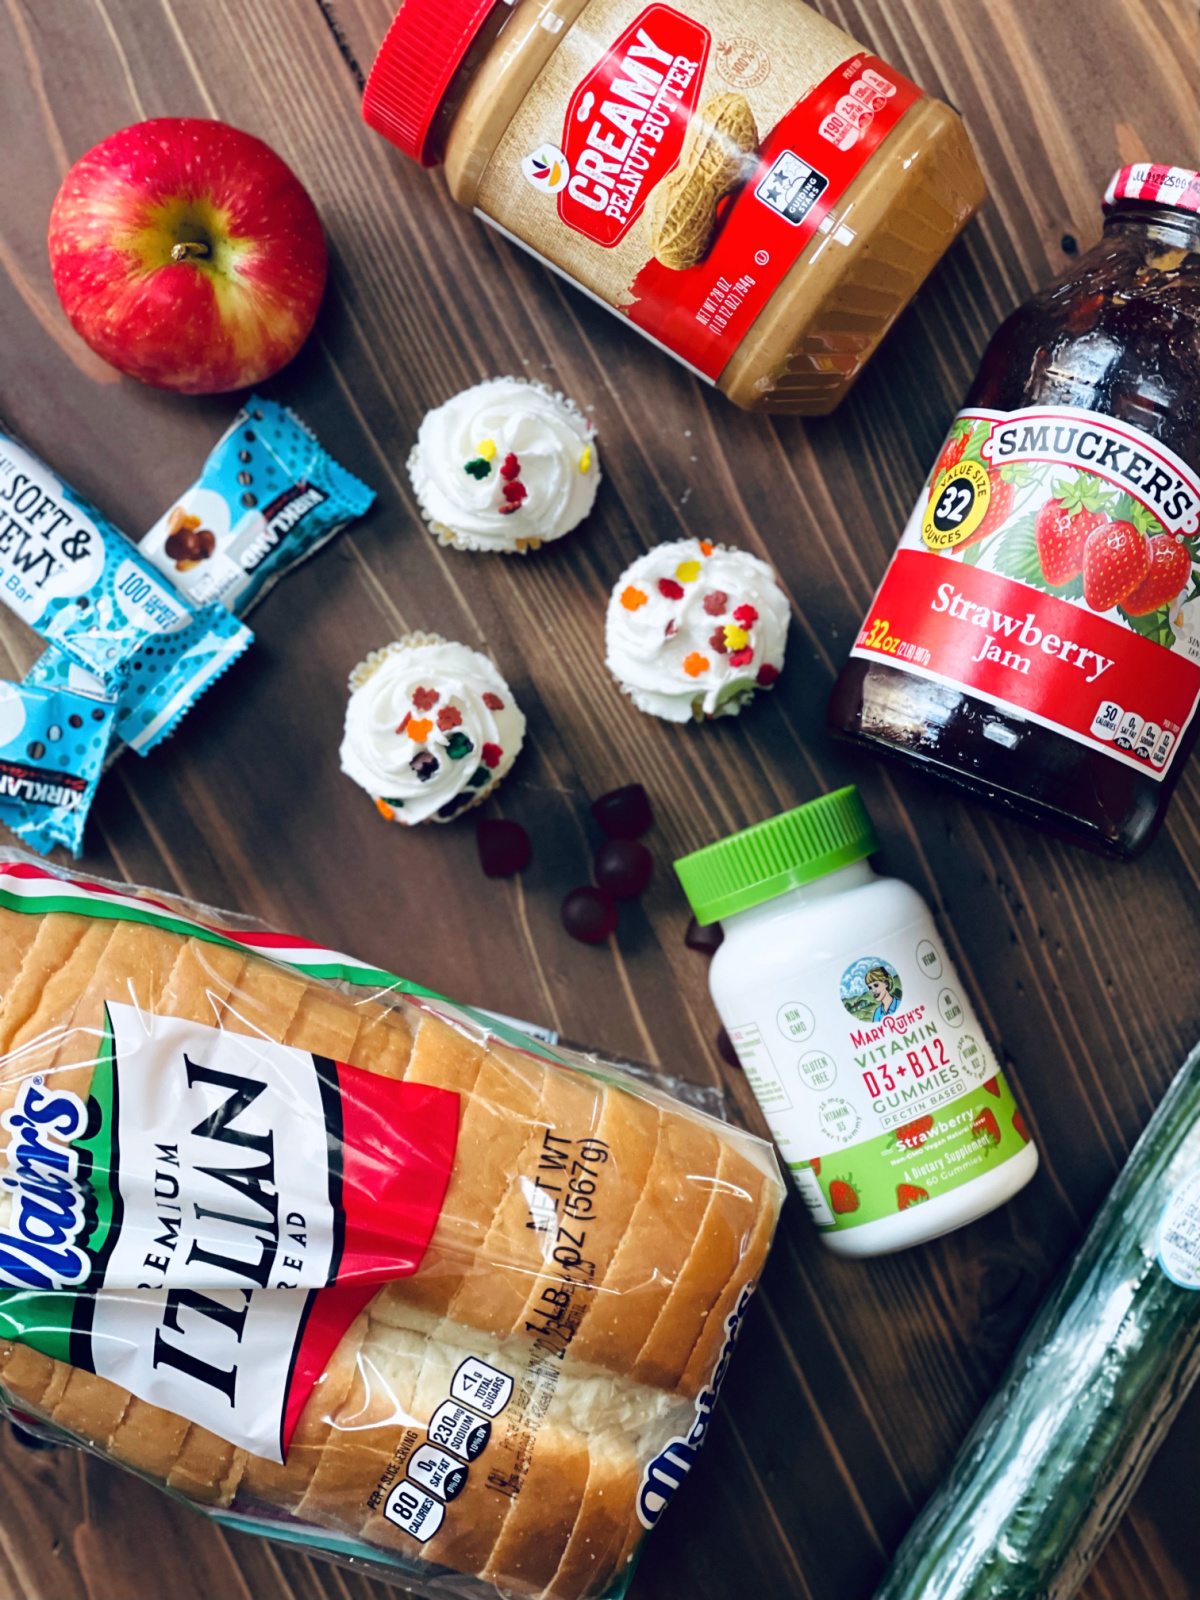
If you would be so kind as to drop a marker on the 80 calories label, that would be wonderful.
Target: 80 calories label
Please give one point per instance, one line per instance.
(1050, 569)
(879, 1084)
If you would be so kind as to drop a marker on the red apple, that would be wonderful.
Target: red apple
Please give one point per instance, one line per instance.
(188, 255)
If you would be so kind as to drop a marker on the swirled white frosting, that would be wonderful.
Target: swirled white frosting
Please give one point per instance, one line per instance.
(431, 728)
(694, 629)
(525, 436)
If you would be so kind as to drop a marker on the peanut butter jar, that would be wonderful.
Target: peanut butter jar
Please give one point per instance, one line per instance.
(749, 187)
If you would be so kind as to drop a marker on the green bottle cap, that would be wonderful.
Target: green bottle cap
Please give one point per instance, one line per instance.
(777, 855)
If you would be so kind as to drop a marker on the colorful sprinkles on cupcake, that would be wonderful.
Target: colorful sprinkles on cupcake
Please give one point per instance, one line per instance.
(695, 629)
(431, 728)
(506, 465)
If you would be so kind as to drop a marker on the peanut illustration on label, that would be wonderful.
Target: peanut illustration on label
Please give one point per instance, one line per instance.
(682, 209)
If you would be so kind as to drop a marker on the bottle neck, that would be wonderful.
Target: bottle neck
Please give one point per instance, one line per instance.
(854, 876)
(1166, 225)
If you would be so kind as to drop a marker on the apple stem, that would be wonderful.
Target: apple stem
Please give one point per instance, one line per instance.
(189, 250)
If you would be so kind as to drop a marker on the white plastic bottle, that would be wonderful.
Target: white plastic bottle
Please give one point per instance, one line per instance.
(855, 1034)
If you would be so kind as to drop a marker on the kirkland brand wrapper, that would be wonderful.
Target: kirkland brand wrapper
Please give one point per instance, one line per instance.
(267, 498)
(349, 1264)
(165, 678)
(52, 747)
(72, 576)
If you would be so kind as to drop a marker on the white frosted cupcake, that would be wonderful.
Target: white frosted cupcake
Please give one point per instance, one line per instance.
(507, 465)
(431, 728)
(694, 629)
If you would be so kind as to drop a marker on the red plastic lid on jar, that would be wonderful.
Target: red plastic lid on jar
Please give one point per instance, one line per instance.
(1159, 186)
(423, 49)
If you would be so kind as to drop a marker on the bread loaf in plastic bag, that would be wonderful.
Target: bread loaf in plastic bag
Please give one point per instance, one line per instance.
(345, 1262)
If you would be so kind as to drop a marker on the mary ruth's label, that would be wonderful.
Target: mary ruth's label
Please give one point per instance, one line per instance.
(676, 165)
(878, 1082)
(1050, 569)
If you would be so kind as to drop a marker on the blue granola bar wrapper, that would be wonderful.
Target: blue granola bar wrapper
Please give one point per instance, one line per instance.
(267, 498)
(74, 577)
(166, 677)
(53, 741)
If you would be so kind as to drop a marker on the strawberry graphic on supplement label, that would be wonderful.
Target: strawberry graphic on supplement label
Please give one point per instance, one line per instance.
(1116, 558)
(843, 1196)
(909, 1194)
(1170, 570)
(1018, 1122)
(985, 1126)
(815, 1165)
(992, 1085)
(912, 1135)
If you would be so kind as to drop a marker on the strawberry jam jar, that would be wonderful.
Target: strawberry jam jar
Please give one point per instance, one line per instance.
(1036, 638)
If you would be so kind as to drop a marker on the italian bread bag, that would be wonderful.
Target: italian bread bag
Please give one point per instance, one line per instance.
(343, 1262)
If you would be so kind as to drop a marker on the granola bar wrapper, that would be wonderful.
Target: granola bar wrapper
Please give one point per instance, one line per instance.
(267, 497)
(53, 743)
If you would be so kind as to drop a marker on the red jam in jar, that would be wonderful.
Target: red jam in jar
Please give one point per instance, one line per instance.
(1036, 638)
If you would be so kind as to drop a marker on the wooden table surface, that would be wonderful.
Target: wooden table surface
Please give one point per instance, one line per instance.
(854, 1383)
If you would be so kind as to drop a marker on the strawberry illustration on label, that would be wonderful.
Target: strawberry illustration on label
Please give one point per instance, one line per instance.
(843, 1196)
(909, 1194)
(815, 1164)
(985, 1126)
(1170, 570)
(993, 1087)
(999, 508)
(952, 453)
(1116, 558)
(912, 1135)
(1061, 533)
(1018, 1123)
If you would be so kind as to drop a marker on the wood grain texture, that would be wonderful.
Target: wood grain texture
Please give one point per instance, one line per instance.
(855, 1382)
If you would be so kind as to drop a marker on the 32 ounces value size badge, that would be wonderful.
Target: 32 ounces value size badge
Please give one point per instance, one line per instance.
(957, 506)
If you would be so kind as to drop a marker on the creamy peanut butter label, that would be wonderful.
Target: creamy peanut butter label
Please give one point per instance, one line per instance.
(677, 165)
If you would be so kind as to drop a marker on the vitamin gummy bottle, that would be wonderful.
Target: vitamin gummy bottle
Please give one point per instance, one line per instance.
(1036, 639)
(854, 1032)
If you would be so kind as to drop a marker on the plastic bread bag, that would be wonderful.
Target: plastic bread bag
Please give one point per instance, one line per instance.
(349, 1264)
(267, 497)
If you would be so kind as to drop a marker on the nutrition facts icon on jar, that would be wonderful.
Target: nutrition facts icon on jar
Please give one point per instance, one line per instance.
(795, 1021)
(871, 989)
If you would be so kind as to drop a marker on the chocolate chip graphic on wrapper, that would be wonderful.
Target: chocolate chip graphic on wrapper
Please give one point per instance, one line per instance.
(589, 914)
(623, 868)
(624, 813)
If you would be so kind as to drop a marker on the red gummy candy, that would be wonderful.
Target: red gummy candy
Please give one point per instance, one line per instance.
(511, 467)
(746, 615)
(717, 642)
(623, 868)
(669, 589)
(726, 1051)
(741, 658)
(589, 915)
(767, 674)
(624, 813)
(515, 493)
(706, 939)
(716, 602)
(504, 847)
(491, 754)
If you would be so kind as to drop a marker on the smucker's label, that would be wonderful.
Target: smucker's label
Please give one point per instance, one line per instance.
(676, 165)
(142, 1228)
(878, 1082)
(1050, 568)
